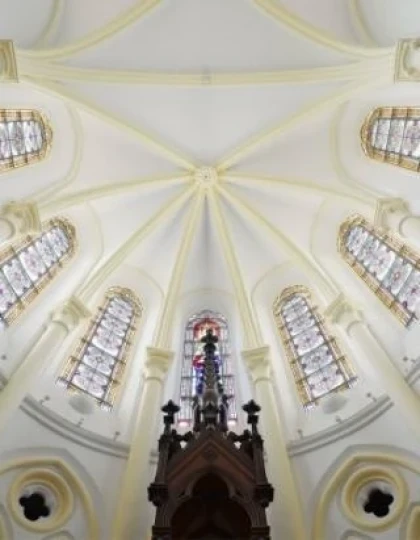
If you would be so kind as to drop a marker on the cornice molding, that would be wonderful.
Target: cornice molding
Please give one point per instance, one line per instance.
(66, 429)
(347, 427)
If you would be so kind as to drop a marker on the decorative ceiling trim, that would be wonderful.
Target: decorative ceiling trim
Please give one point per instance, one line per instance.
(340, 170)
(297, 184)
(360, 24)
(52, 25)
(123, 20)
(163, 328)
(252, 332)
(149, 140)
(92, 282)
(45, 194)
(263, 137)
(345, 72)
(116, 188)
(306, 30)
(285, 244)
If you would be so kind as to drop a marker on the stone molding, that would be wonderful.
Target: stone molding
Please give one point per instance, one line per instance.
(23, 217)
(70, 313)
(407, 60)
(258, 362)
(157, 363)
(8, 65)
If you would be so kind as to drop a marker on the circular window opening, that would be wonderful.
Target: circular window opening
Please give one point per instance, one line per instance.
(35, 505)
(40, 500)
(378, 503)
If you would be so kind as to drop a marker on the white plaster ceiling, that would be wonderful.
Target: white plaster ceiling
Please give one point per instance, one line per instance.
(163, 95)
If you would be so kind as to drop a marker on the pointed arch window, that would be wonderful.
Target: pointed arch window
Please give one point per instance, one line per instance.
(97, 366)
(390, 268)
(193, 359)
(392, 135)
(318, 365)
(25, 137)
(28, 265)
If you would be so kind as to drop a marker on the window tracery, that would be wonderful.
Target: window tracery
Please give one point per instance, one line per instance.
(392, 135)
(97, 366)
(28, 265)
(25, 137)
(389, 267)
(318, 365)
(193, 363)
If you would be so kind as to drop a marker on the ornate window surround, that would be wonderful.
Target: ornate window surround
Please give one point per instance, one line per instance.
(116, 377)
(15, 250)
(185, 415)
(294, 359)
(27, 115)
(403, 113)
(404, 315)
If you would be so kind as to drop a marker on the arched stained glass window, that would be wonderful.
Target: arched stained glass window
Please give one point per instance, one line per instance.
(318, 365)
(97, 366)
(388, 266)
(392, 134)
(28, 265)
(193, 363)
(25, 137)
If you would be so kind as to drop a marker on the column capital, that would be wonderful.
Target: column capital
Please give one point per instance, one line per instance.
(258, 362)
(8, 66)
(23, 216)
(342, 312)
(157, 363)
(407, 60)
(70, 313)
(389, 212)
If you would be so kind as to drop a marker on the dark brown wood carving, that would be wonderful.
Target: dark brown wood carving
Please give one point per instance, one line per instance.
(210, 483)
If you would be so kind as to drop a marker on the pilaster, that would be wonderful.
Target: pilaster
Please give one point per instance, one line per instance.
(257, 361)
(70, 313)
(8, 65)
(157, 363)
(23, 216)
(407, 60)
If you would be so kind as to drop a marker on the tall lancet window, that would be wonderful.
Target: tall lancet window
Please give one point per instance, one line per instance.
(97, 366)
(392, 134)
(318, 365)
(193, 363)
(25, 137)
(28, 265)
(388, 266)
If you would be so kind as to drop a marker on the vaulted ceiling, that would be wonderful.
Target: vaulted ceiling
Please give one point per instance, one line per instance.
(144, 94)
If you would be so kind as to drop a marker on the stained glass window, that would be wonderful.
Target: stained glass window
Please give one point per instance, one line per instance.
(318, 365)
(392, 134)
(97, 366)
(28, 265)
(193, 363)
(388, 266)
(25, 137)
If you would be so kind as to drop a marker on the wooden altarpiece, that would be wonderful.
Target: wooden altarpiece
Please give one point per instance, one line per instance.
(210, 483)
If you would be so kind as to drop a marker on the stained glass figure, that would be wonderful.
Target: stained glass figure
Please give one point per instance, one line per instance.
(318, 365)
(392, 135)
(25, 137)
(97, 366)
(29, 264)
(388, 266)
(193, 363)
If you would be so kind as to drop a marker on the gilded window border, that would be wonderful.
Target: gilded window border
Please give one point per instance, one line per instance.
(118, 377)
(13, 250)
(15, 162)
(340, 359)
(383, 155)
(393, 242)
